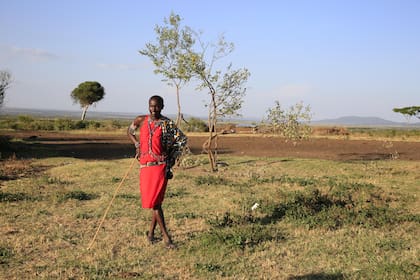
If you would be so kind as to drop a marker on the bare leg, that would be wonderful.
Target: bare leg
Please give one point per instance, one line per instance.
(160, 219)
(151, 233)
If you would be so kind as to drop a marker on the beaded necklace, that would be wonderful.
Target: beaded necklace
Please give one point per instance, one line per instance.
(151, 133)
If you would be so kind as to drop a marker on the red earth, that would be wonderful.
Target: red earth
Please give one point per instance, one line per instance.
(38, 144)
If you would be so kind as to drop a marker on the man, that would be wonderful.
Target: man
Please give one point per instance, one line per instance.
(159, 144)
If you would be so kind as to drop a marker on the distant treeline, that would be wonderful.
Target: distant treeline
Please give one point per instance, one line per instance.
(60, 124)
(24, 122)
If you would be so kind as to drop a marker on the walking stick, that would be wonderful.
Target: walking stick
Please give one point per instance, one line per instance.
(109, 205)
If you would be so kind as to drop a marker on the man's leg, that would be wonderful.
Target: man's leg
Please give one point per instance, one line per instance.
(151, 233)
(158, 214)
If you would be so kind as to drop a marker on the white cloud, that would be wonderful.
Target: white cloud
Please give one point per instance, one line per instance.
(27, 53)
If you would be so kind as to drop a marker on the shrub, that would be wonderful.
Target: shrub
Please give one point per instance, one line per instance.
(63, 124)
(119, 124)
(94, 124)
(6, 254)
(292, 123)
(80, 125)
(195, 125)
(25, 119)
(13, 197)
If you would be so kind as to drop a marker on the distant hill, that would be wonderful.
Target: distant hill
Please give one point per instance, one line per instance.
(363, 121)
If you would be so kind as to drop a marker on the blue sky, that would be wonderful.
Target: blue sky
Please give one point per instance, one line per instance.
(342, 58)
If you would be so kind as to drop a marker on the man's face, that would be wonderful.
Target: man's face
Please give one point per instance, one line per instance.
(155, 107)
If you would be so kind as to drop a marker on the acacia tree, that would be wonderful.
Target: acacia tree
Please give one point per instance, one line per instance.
(226, 90)
(5, 81)
(87, 94)
(408, 112)
(292, 123)
(172, 55)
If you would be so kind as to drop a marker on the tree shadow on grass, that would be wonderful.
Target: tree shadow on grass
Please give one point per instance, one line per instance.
(83, 150)
(75, 147)
(306, 206)
(195, 150)
(364, 156)
(277, 215)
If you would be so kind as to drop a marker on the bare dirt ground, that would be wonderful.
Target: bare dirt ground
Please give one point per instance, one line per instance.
(38, 144)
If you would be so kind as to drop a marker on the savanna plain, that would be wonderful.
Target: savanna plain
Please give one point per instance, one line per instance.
(297, 211)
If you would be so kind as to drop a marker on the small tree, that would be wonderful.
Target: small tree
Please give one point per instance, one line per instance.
(171, 55)
(226, 91)
(291, 124)
(408, 112)
(5, 81)
(86, 94)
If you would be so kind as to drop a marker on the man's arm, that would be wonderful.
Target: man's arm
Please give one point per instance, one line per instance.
(132, 128)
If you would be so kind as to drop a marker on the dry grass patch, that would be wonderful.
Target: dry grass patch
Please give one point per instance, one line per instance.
(315, 219)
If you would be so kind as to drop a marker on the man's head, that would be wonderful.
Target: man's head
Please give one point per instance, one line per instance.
(155, 106)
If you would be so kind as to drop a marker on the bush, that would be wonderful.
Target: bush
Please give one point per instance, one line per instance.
(119, 124)
(292, 123)
(63, 124)
(26, 123)
(80, 125)
(94, 124)
(14, 197)
(194, 125)
(6, 253)
(25, 119)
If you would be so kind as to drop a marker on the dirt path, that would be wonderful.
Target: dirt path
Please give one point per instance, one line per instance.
(332, 149)
(97, 146)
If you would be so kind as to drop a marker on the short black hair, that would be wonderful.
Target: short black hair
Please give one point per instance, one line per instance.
(157, 98)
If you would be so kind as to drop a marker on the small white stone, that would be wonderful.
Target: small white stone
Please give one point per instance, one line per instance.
(255, 206)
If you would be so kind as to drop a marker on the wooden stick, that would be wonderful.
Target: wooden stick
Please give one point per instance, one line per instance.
(109, 205)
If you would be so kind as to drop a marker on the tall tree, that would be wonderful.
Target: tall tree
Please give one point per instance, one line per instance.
(171, 54)
(226, 89)
(408, 112)
(87, 94)
(5, 81)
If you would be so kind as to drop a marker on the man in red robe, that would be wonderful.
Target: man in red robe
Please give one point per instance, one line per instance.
(159, 144)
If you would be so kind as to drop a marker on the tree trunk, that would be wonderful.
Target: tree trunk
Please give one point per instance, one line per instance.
(212, 140)
(84, 112)
(210, 146)
(178, 116)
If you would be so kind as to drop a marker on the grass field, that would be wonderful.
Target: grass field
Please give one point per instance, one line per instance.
(316, 219)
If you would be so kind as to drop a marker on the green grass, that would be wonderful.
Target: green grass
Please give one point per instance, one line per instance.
(316, 219)
(405, 133)
(24, 122)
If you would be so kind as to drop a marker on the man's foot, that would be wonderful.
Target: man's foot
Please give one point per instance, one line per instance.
(170, 245)
(150, 238)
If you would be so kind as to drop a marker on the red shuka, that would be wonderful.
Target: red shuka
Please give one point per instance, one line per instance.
(152, 178)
